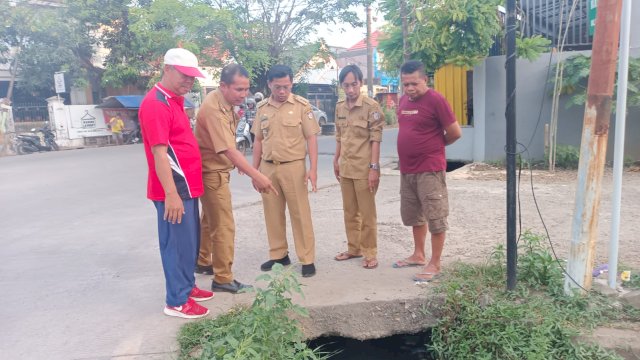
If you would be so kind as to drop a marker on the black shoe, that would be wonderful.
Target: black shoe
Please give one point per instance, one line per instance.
(308, 270)
(232, 287)
(204, 270)
(269, 264)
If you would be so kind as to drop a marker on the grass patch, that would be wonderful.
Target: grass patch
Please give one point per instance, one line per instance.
(261, 331)
(481, 320)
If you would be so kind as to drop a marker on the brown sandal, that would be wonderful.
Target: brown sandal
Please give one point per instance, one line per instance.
(370, 263)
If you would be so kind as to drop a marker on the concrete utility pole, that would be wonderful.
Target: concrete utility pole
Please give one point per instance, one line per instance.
(405, 30)
(369, 53)
(406, 56)
(593, 148)
(618, 155)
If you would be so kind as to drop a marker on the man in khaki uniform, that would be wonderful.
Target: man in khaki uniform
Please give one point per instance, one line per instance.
(284, 129)
(359, 123)
(215, 131)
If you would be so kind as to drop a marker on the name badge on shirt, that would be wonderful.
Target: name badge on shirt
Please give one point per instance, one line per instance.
(409, 112)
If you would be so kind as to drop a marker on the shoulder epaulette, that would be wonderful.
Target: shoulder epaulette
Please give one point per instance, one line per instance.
(263, 102)
(301, 99)
(369, 100)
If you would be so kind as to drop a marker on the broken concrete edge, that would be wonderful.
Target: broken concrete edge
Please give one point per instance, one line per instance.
(372, 319)
(620, 338)
(630, 297)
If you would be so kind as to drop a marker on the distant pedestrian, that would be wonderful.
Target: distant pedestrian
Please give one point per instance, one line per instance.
(215, 132)
(175, 181)
(285, 130)
(426, 125)
(356, 164)
(116, 125)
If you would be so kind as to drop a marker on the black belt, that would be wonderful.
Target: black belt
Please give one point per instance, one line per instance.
(276, 162)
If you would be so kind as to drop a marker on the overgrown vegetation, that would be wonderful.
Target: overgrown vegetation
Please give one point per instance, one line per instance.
(531, 48)
(262, 331)
(567, 157)
(390, 116)
(576, 77)
(480, 320)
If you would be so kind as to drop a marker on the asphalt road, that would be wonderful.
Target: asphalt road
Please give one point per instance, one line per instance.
(79, 266)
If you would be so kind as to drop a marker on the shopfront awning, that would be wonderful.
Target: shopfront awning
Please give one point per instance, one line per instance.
(130, 102)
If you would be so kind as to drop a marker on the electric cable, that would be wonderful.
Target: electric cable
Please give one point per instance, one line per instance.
(519, 153)
(525, 148)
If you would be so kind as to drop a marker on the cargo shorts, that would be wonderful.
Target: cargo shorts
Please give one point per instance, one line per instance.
(424, 200)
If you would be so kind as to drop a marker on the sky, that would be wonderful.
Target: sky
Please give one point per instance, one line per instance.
(351, 36)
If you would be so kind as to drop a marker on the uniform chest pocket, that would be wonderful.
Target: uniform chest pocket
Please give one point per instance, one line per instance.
(360, 127)
(291, 121)
(291, 128)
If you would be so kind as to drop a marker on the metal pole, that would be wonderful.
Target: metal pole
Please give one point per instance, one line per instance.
(618, 154)
(512, 247)
(593, 148)
(369, 53)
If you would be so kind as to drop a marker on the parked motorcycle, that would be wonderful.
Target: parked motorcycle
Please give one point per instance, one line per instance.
(244, 141)
(131, 136)
(43, 139)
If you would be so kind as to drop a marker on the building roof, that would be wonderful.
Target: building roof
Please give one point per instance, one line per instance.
(362, 44)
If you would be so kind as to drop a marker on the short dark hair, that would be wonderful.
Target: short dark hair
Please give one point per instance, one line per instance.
(354, 69)
(230, 71)
(412, 66)
(279, 71)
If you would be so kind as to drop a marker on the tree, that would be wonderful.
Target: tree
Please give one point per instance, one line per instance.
(261, 33)
(40, 40)
(459, 32)
(575, 78)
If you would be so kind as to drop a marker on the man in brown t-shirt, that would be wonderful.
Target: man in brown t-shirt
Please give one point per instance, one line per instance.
(285, 129)
(215, 131)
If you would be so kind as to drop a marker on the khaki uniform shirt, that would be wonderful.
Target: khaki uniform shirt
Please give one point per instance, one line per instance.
(356, 128)
(284, 128)
(216, 132)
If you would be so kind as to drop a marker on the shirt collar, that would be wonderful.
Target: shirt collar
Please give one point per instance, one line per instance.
(222, 101)
(289, 99)
(168, 93)
(358, 103)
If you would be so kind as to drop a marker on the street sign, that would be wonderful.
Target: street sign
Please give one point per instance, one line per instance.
(58, 79)
(593, 7)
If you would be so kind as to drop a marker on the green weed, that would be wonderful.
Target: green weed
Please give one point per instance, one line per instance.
(390, 116)
(481, 320)
(261, 331)
(567, 157)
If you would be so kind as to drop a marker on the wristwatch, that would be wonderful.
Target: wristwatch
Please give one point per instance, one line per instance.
(375, 166)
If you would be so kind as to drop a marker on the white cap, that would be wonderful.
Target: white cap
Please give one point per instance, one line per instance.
(184, 61)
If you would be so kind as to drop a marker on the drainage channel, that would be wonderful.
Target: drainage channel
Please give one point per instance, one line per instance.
(401, 346)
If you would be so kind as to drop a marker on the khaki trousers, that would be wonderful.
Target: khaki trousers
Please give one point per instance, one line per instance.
(288, 179)
(360, 217)
(217, 227)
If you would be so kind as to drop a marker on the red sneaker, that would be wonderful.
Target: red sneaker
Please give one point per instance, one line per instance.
(188, 310)
(200, 295)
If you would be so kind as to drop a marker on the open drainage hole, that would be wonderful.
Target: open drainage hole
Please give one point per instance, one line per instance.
(396, 347)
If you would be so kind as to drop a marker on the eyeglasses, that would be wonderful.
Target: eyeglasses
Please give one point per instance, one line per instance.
(281, 87)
